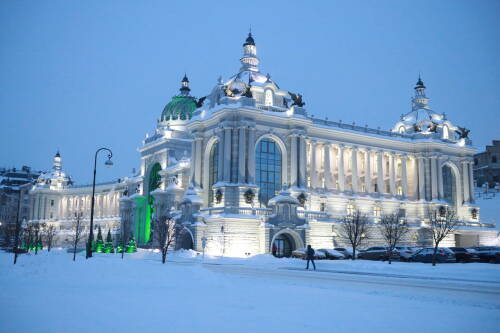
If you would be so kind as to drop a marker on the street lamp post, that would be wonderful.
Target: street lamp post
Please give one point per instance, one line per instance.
(91, 234)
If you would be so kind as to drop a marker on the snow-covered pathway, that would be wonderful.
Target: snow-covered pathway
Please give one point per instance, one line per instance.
(50, 293)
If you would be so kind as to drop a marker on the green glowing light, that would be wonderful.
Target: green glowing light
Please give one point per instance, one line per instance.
(108, 247)
(131, 246)
(99, 244)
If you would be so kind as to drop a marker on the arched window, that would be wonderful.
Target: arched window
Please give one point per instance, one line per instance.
(449, 185)
(401, 129)
(213, 169)
(350, 209)
(268, 100)
(268, 169)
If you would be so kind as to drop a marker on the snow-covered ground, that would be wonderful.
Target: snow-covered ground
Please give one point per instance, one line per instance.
(51, 293)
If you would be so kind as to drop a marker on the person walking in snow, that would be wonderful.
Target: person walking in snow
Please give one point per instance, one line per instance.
(310, 256)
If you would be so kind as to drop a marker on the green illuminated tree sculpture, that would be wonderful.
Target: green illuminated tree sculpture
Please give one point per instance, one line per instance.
(131, 245)
(108, 247)
(99, 245)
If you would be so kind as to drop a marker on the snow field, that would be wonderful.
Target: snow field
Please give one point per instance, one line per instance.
(50, 293)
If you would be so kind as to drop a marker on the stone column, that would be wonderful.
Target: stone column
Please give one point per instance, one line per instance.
(368, 171)
(392, 174)
(35, 210)
(314, 167)
(434, 178)
(421, 178)
(197, 165)
(340, 168)
(193, 161)
(327, 166)
(404, 175)
(303, 162)
(354, 168)
(440, 179)
(380, 172)
(465, 178)
(414, 178)
(227, 155)
(251, 155)
(241, 156)
(293, 160)
(471, 182)
(334, 163)
(220, 157)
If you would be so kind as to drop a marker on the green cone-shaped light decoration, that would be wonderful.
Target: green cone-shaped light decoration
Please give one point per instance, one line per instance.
(99, 245)
(131, 245)
(108, 247)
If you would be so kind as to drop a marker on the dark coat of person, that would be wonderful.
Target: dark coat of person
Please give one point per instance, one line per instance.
(309, 253)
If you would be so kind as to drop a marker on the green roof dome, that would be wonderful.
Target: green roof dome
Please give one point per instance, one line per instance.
(181, 107)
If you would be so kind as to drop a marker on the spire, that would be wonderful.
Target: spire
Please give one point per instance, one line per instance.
(420, 101)
(420, 84)
(249, 40)
(57, 165)
(249, 60)
(185, 85)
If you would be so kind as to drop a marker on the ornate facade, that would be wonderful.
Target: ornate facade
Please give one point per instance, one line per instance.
(246, 167)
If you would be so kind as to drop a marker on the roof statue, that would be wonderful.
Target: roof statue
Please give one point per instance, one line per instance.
(297, 99)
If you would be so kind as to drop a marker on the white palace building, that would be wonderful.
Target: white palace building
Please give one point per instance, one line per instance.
(246, 167)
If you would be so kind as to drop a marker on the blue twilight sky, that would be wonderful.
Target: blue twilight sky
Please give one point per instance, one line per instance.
(76, 75)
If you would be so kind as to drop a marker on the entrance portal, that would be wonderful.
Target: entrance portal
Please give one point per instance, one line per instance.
(184, 240)
(283, 246)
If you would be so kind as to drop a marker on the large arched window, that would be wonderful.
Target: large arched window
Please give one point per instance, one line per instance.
(213, 169)
(268, 98)
(449, 185)
(268, 169)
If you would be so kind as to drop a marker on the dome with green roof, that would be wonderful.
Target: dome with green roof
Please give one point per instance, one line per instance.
(181, 107)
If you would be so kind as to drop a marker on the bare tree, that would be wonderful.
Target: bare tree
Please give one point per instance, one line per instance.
(28, 236)
(164, 232)
(442, 222)
(393, 228)
(354, 229)
(7, 234)
(49, 232)
(78, 232)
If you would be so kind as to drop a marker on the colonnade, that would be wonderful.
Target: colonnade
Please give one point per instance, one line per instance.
(341, 167)
(331, 166)
(65, 206)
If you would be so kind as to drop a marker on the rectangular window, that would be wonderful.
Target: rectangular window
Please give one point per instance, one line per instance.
(51, 203)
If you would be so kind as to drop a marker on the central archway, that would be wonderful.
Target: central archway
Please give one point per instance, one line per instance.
(284, 242)
(184, 239)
